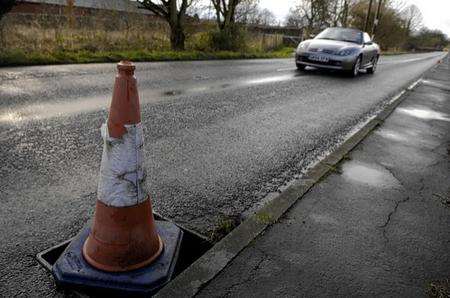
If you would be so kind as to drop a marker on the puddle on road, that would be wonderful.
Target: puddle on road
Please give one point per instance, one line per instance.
(424, 113)
(10, 90)
(11, 117)
(437, 97)
(273, 79)
(368, 174)
(50, 110)
(54, 109)
(393, 135)
(436, 84)
(409, 137)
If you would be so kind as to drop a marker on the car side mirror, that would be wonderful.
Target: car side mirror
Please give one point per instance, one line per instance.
(312, 35)
(368, 43)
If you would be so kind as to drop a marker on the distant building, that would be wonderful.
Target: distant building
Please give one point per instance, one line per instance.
(81, 7)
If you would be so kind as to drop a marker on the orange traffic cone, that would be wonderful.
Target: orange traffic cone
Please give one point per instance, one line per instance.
(124, 250)
(123, 236)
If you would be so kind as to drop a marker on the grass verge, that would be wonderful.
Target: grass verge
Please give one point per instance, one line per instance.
(18, 57)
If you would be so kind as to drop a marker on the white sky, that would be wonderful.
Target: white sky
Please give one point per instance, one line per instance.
(436, 13)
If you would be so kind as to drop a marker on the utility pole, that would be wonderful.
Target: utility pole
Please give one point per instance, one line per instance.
(345, 14)
(377, 19)
(366, 25)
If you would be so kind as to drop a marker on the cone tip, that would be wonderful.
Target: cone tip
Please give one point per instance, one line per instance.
(126, 66)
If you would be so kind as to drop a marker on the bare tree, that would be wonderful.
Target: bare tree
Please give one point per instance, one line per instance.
(393, 21)
(369, 11)
(202, 9)
(339, 11)
(295, 18)
(265, 17)
(314, 14)
(334, 12)
(307, 9)
(174, 12)
(344, 13)
(247, 11)
(413, 18)
(225, 13)
(377, 18)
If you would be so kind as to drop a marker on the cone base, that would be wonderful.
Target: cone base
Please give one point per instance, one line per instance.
(73, 271)
(122, 238)
(104, 267)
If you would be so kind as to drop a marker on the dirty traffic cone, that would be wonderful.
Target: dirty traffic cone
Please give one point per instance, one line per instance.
(126, 250)
(123, 236)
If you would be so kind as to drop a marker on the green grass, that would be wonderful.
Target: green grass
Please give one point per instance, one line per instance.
(18, 57)
(264, 217)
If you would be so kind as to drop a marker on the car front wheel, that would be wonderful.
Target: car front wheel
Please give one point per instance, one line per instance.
(356, 67)
(373, 68)
(301, 66)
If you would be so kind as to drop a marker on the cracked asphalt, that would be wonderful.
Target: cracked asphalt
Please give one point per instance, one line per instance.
(376, 226)
(220, 137)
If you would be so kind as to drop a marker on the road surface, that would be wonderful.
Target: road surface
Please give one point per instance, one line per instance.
(221, 137)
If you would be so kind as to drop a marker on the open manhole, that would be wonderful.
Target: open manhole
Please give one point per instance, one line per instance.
(192, 247)
(49, 256)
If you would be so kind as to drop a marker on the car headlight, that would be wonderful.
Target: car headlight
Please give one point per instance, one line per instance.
(302, 46)
(347, 52)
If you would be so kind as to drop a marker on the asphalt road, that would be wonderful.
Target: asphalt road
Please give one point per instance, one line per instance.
(220, 137)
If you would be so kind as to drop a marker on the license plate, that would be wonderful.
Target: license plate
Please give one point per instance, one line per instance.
(318, 58)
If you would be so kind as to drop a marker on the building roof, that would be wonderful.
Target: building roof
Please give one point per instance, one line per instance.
(118, 5)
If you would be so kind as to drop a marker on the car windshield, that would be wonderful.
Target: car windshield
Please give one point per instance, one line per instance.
(341, 34)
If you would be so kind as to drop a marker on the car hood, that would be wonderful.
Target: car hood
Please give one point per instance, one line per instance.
(329, 46)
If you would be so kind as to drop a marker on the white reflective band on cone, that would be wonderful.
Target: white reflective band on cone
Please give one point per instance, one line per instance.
(122, 176)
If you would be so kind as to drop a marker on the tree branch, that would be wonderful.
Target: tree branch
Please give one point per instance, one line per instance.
(155, 8)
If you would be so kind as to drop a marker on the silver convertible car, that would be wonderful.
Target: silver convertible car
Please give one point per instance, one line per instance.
(344, 49)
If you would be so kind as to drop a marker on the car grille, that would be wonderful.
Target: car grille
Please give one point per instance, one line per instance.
(326, 51)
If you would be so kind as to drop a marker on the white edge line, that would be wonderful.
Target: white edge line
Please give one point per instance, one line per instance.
(410, 87)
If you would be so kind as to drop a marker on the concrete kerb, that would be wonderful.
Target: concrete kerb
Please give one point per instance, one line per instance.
(201, 272)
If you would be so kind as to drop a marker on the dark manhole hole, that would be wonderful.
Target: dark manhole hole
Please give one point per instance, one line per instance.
(49, 256)
(192, 248)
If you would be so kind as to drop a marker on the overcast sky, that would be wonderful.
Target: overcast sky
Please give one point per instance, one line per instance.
(436, 13)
